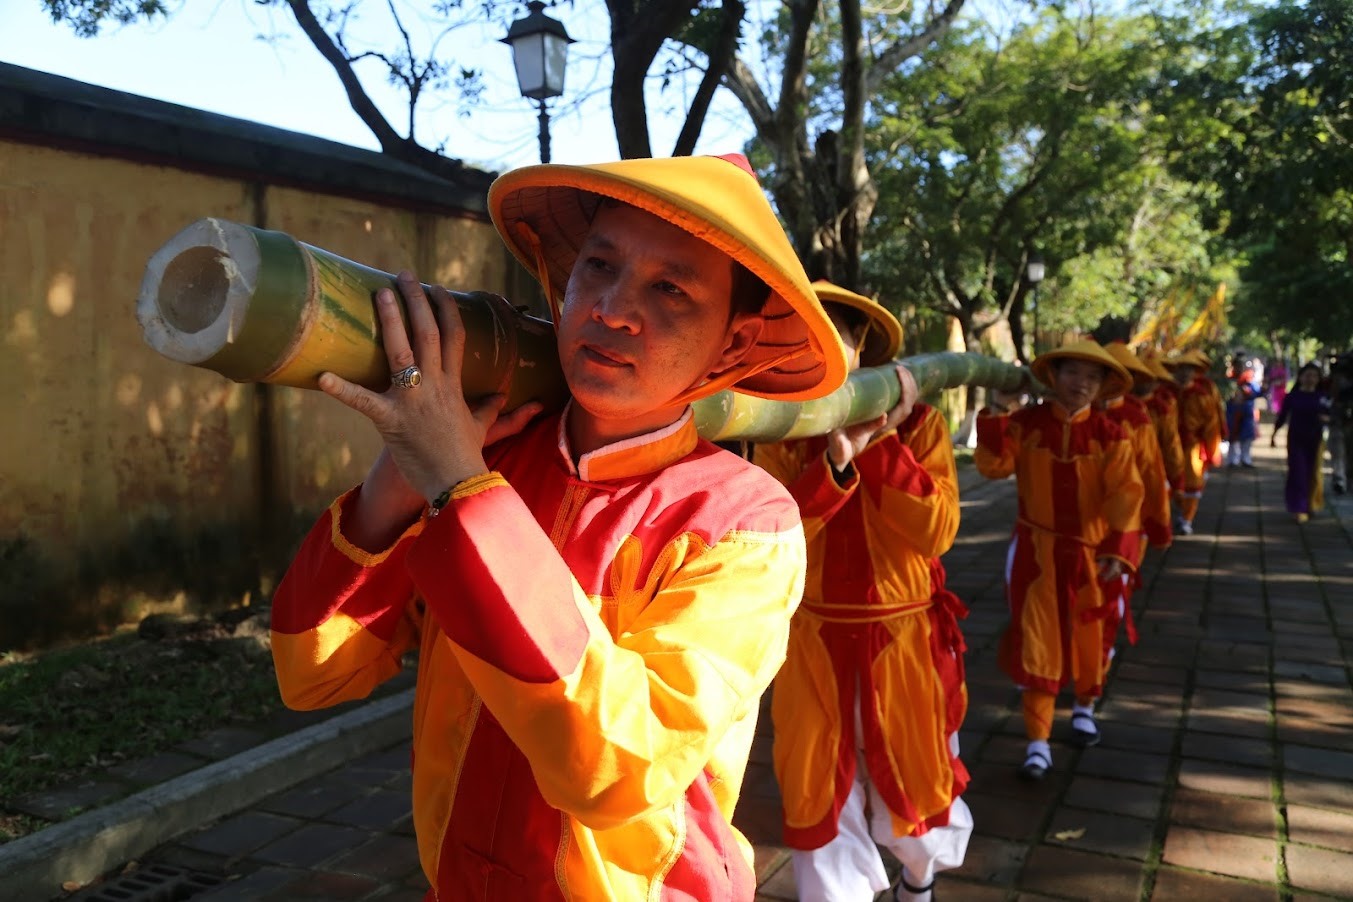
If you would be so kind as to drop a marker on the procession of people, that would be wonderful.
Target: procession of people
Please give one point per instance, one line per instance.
(603, 577)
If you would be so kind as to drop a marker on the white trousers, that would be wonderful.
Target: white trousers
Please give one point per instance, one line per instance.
(1239, 452)
(850, 868)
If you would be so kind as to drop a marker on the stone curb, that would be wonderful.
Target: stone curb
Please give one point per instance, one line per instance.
(88, 845)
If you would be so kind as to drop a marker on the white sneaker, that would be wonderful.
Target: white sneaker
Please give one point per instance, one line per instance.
(1185, 528)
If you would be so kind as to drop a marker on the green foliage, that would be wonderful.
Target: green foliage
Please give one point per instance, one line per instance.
(1273, 133)
(84, 708)
(1045, 141)
(87, 17)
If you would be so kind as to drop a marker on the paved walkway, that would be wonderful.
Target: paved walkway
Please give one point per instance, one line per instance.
(1225, 773)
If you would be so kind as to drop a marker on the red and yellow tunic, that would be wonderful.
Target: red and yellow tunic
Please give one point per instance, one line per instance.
(1079, 497)
(593, 643)
(1201, 430)
(1163, 405)
(876, 624)
(1131, 415)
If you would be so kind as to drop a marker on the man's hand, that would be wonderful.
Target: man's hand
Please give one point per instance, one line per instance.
(1007, 401)
(844, 444)
(1110, 569)
(905, 402)
(434, 437)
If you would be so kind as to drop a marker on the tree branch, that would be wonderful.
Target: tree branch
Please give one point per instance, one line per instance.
(720, 59)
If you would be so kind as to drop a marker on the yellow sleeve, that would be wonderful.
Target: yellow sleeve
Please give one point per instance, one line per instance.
(917, 484)
(1123, 493)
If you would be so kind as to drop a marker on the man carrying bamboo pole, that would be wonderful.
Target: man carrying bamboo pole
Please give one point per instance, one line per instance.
(599, 597)
(1077, 529)
(868, 704)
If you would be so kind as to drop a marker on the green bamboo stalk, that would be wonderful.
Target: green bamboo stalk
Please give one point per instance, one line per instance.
(259, 306)
(868, 392)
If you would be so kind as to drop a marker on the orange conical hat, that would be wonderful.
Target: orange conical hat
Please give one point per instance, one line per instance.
(884, 338)
(544, 213)
(1116, 383)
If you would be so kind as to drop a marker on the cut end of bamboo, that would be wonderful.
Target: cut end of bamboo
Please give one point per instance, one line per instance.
(196, 290)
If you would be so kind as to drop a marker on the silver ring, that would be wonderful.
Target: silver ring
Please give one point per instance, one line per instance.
(409, 377)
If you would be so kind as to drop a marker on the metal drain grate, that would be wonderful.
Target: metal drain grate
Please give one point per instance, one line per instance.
(152, 883)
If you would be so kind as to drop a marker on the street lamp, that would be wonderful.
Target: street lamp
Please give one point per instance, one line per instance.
(1034, 271)
(539, 49)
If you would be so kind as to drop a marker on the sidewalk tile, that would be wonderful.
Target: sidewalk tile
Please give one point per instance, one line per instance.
(1228, 723)
(1114, 796)
(325, 887)
(1173, 885)
(993, 861)
(1212, 746)
(251, 887)
(1067, 873)
(1306, 731)
(1098, 831)
(1318, 827)
(61, 802)
(996, 816)
(311, 844)
(767, 859)
(156, 768)
(223, 743)
(314, 798)
(1226, 779)
(1142, 767)
(1222, 853)
(1321, 870)
(237, 836)
(781, 885)
(1224, 813)
(1318, 761)
(384, 857)
(374, 811)
(1318, 792)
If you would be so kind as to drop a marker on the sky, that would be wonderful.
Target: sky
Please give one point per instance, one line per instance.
(241, 59)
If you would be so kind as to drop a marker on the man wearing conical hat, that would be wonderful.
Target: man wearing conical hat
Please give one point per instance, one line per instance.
(1202, 428)
(1129, 411)
(868, 704)
(598, 596)
(1077, 528)
(1162, 402)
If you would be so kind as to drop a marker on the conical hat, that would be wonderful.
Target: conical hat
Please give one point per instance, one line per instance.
(544, 213)
(884, 338)
(1116, 382)
(1190, 358)
(1130, 361)
(1153, 363)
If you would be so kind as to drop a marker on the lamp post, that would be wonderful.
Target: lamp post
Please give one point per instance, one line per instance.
(1034, 271)
(539, 50)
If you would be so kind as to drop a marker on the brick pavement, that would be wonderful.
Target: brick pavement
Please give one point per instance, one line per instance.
(1226, 769)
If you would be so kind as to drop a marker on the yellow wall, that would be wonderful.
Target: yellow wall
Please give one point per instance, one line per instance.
(111, 454)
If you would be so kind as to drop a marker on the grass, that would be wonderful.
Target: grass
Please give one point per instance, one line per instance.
(70, 712)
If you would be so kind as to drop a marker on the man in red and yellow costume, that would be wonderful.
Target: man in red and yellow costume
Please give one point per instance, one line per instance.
(599, 597)
(1162, 402)
(1077, 528)
(868, 704)
(1202, 428)
(1130, 412)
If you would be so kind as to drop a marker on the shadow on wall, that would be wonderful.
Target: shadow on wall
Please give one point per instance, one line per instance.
(159, 569)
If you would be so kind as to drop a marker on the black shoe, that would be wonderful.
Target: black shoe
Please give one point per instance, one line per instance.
(1248, 466)
(1035, 768)
(1084, 730)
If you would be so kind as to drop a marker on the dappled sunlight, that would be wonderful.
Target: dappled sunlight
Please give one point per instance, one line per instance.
(128, 389)
(61, 294)
(23, 330)
(154, 421)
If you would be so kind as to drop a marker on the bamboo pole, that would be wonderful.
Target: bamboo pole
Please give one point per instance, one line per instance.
(868, 392)
(260, 306)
